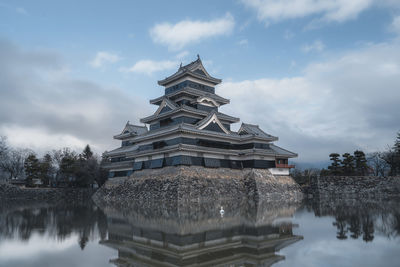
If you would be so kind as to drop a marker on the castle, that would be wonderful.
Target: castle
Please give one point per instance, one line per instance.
(188, 129)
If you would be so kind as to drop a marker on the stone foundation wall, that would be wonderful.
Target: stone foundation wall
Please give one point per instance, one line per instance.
(176, 186)
(356, 187)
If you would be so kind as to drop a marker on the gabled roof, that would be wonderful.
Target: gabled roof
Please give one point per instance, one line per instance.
(252, 129)
(192, 91)
(166, 102)
(220, 115)
(205, 100)
(131, 130)
(195, 69)
(211, 118)
(190, 110)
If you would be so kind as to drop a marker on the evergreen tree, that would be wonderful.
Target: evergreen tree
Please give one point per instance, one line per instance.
(335, 166)
(392, 157)
(348, 164)
(396, 147)
(361, 167)
(87, 168)
(68, 167)
(3, 148)
(396, 156)
(87, 153)
(46, 169)
(32, 169)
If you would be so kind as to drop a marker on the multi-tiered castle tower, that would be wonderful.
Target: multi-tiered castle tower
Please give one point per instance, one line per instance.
(188, 129)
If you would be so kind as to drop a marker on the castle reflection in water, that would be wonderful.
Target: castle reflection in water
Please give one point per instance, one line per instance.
(188, 234)
(235, 237)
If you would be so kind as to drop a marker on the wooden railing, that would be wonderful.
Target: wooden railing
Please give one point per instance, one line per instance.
(284, 166)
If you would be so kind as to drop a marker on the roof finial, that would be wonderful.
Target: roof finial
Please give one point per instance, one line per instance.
(180, 66)
(127, 123)
(198, 57)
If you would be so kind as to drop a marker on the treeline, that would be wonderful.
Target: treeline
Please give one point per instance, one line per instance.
(386, 163)
(348, 165)
(59, 168)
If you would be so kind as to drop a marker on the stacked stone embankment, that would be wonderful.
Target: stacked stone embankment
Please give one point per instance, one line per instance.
(367, 187)
(186, 184)
(13, 193)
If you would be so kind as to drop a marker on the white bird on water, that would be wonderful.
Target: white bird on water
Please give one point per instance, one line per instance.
(221, 211)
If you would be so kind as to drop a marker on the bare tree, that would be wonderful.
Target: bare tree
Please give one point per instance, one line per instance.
(14, 163)
(378, 163)
(3, 156)
(59, 154)
(3, 147)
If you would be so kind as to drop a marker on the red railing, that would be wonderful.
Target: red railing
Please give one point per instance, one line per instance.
(289, 166)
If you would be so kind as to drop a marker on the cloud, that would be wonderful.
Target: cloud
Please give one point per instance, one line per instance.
(243, 42)
(150, 66)
(395, 26)
(288, 35)
(102, 58)
(44, 108)
(348, 102)
(186, 32)
(182, 55)
(271, 11)
(316, 46)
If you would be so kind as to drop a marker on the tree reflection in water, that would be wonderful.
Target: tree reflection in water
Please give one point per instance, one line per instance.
(58, 222)
(160, 233)
(357, 218)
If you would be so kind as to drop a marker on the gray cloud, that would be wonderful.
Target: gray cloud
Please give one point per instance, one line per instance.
(39, 100)
(348, 102)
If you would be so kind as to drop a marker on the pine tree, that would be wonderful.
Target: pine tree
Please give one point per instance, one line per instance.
(3, 148)
(335, 166)
(396, 147)
(87, 153)
(32, 169)
(361, 167)
(396, 156)
(348, 164)
(68, 167)
(46, 169)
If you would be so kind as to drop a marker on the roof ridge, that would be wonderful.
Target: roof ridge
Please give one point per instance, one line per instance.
(144, 126)
(249, 124)
(198, 60)
(170, 101)
(212, 112)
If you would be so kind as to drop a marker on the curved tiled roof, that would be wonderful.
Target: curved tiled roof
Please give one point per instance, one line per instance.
(195, 69)
(186, 108)
(194, 92)
(131, 130)
(254, 130)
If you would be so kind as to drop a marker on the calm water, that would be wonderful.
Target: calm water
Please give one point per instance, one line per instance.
(329, 233)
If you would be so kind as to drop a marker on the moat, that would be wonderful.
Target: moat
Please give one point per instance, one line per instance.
(219, 233)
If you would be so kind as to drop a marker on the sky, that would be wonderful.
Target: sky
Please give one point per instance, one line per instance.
(322, 75)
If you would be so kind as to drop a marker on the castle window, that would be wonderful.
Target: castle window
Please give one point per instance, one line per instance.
(165, 122)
